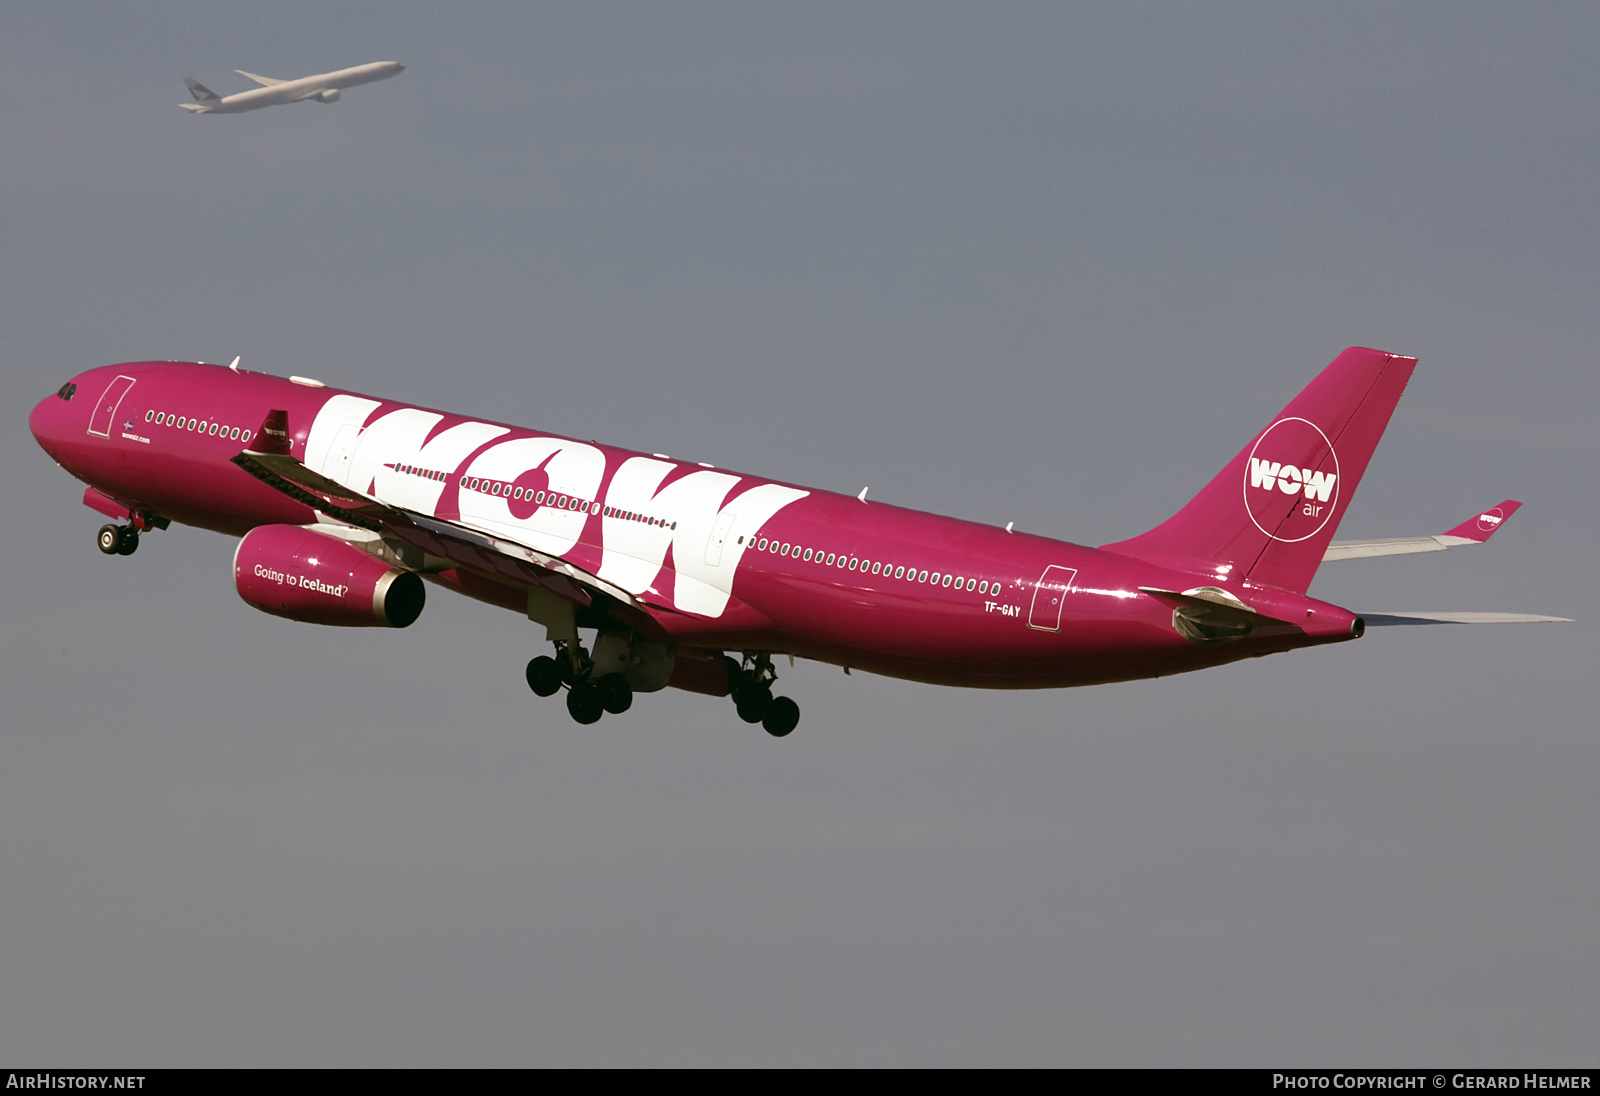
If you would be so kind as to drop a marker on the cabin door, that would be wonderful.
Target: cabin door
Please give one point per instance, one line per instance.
(105, 412)
(1049, 597)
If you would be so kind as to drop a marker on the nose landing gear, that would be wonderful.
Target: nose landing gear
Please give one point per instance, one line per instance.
(118, 540)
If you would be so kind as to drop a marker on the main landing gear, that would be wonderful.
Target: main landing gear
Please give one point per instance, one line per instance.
(588, 697)
(118, 540)
(750, 684)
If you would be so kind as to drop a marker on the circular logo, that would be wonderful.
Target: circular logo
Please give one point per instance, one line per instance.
(1490, 519)
(1291, 481)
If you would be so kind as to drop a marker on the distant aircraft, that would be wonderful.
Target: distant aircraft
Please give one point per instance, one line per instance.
(323, 88)
(346, 503)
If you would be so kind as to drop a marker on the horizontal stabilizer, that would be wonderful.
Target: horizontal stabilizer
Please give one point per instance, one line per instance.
(264, 81)
(1390, 620)
(1472, 531)
(1209, 615)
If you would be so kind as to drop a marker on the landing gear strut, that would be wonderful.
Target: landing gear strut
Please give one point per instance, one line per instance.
(750, 685)
(118, 540)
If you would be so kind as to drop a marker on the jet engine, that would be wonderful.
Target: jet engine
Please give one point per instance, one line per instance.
(327, 95)
(291, 571)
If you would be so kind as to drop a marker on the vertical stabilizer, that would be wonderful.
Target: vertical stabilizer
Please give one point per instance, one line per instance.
(205, 100)
(1272, 510)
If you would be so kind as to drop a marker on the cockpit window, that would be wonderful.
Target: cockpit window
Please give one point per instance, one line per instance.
(67, 391)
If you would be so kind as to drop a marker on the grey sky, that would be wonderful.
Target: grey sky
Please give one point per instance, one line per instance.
(1042, 263)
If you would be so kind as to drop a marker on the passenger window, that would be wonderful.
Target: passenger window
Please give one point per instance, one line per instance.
(245, 436)
(875, 567)
(972, 584)
(808, 555)
(169, 420)
(148, 415)
(900, 572)
(923, 577)
(946, 580)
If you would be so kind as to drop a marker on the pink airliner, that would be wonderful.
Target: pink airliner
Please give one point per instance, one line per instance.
(347, 504)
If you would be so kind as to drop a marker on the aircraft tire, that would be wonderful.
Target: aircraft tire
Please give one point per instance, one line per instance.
(544, 676)
(752, 703)
(127, 540)
(616, 695)
(109, 539)
(783, 716)
(583, 703)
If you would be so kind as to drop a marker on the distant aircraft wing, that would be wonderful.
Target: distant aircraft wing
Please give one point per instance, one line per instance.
(1472, 531)
(264, 81)
(448, 541)
(1389, 620)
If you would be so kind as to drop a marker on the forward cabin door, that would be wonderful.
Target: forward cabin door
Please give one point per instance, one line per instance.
(105, 412)
(719, 537)
(1049, 597)
(339, 454)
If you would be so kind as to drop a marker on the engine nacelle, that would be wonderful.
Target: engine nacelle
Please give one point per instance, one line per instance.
(329, 95)
(290, 571)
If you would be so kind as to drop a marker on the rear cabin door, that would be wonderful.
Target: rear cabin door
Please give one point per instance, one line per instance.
(105, 412)
(1049, 597)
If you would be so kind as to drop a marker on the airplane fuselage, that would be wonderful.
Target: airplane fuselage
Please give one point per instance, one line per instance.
(299, 90)
(713, 560)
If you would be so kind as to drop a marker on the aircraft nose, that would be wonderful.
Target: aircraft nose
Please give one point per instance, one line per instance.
(44, 422)
(53, 418)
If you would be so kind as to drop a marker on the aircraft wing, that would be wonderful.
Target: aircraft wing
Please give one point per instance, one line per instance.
(1472, 531)
(483, 553)
(264, 81)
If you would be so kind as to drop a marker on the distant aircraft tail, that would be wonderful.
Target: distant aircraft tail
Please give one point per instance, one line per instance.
(204, 98)
(1269, 514)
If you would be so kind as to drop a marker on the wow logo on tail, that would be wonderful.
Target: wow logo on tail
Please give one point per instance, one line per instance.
(1291, 481)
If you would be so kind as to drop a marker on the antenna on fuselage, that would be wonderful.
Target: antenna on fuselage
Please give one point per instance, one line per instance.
(234, 365)
(1009, 524)
(863, 495)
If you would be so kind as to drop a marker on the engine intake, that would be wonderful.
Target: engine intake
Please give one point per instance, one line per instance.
(291, 571)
